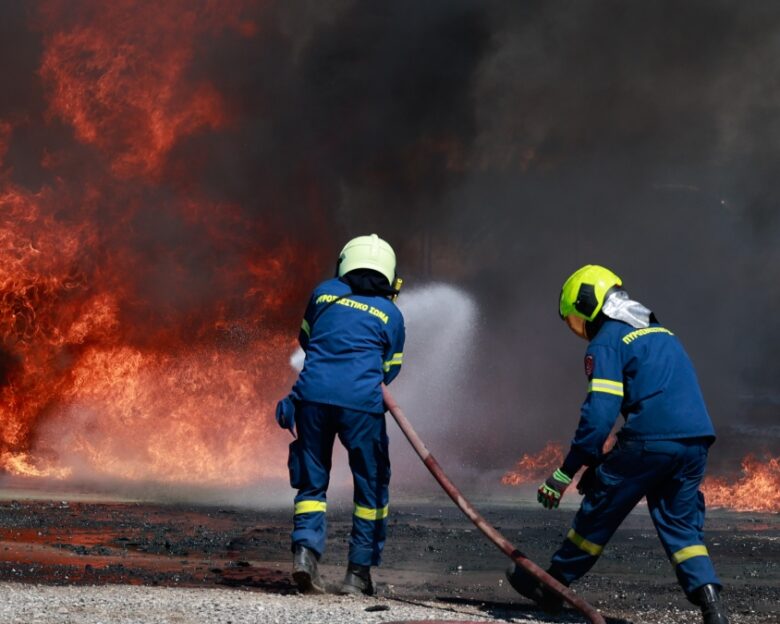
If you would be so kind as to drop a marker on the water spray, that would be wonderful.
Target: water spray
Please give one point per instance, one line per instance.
(479, 521)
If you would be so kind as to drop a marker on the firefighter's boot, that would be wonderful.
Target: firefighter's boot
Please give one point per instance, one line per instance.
(708, 598)
(305, 573)
(533, 589)
(357, 580)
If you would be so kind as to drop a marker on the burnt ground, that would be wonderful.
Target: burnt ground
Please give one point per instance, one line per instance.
(432, 553)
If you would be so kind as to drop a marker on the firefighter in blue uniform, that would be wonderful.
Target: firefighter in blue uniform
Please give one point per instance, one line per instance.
(638, 368)
(353, 337)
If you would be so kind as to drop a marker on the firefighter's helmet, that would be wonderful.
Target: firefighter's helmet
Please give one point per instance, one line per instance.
(368, 252)
(584, 293)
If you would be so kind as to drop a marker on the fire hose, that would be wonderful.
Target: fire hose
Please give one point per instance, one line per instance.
(479, 521)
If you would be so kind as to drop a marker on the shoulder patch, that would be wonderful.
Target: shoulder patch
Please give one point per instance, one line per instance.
(590, 365)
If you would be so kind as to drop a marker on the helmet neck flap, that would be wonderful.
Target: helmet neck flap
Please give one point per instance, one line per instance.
(620, 307)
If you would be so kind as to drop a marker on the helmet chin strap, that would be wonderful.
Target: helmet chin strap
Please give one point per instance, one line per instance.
(620, 307)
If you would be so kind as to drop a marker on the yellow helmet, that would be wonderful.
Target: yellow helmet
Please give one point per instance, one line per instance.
(368, 252)
(584, 293)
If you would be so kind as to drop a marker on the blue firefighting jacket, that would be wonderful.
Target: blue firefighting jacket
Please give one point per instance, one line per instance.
(353, 343)
(646, 375)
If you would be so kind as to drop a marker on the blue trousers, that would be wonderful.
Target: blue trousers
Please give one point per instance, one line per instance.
(668, 474)
(364, 435)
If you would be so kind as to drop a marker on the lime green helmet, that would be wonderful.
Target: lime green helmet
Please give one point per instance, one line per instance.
(368, 252)
(584, 293)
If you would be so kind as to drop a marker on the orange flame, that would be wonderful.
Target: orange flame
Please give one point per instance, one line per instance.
(758, 489)
(127, 352)
(531, 468)
(120, 76)
(82, 394)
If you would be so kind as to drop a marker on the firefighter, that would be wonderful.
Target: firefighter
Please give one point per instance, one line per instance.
(353, 337)
(636, 367)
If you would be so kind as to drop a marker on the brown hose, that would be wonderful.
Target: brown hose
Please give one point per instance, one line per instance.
(490, 532)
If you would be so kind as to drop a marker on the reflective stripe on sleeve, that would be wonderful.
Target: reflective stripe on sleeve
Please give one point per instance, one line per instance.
(583, 544)
(366, 513)
(310, 506)
(305, 328)
(396, 360)
(606, 385)
(689, 551)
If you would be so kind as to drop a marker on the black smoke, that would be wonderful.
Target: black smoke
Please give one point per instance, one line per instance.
(498, 146)
(643, 136)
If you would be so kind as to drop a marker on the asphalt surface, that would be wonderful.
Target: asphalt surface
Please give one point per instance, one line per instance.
(65, 561)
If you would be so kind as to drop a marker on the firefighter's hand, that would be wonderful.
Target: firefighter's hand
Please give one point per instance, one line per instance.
(285, 414)
(550, 492)
(588, 481)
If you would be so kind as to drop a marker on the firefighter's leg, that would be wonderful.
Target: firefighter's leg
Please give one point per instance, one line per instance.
(365, 437)
(309, 463)
(677, 509)
(622, 480)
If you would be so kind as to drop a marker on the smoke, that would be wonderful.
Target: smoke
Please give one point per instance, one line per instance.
(209, 164)
(643, 137)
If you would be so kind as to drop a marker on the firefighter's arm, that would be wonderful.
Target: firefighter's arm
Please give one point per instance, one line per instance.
(600, 409)
(394, 351)
(308, 320)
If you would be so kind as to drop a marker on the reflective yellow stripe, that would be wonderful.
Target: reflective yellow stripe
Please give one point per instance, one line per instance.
(689, 551)
(305, 327)
(606, 385)
(396, 360)
(366, 513)
(310, 506)
(583, 544)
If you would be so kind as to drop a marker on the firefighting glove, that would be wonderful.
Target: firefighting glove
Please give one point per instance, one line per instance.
(285, 413)
(550, 492)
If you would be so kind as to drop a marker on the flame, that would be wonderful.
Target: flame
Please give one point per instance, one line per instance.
(83, 393)
(758, 489)
(531, 468)
(145, 327)
(119, 77)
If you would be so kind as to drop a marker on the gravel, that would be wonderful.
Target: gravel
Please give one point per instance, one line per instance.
(124, 604)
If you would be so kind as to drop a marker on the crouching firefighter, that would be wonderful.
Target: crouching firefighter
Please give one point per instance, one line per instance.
(638, 368)
(353, 337)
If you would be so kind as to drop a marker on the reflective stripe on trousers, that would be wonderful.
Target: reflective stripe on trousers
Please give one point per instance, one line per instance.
(365, 438)
(668, 474)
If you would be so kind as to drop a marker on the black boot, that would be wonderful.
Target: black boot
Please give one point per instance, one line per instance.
(708, 598)
(305, 573)
(357, 580)
(533, 589)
